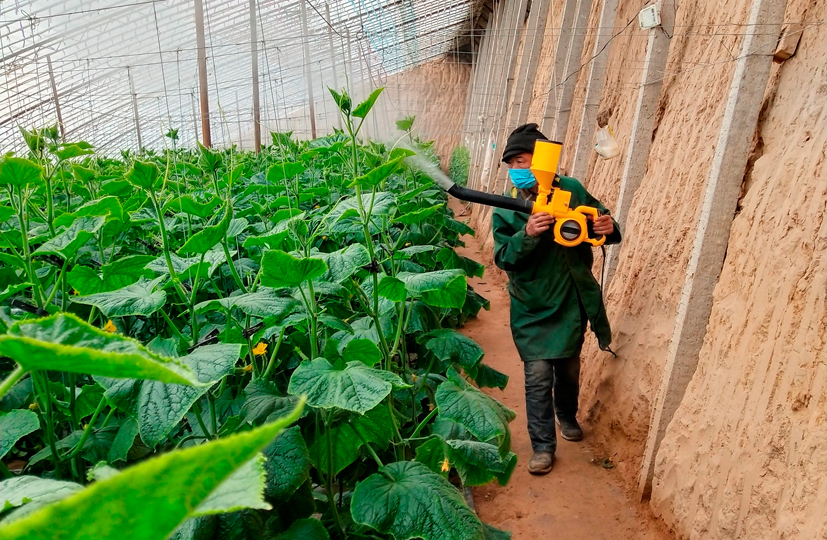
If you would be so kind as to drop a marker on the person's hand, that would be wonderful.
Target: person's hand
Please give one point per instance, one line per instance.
(604, 226)
(538, 223)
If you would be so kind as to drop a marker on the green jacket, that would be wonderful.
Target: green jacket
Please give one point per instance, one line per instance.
(553, 291)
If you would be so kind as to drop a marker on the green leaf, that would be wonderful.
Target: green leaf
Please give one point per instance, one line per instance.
(348, 435)
(442, 288)
(123, 441)
(364, 108)
(418, 216)
(137, 299)
(242, 489)
(287, 465)
(87, 401)
(20, 490)
(484, 417)
(477, 463)
(356, 387)
(488, 377)
(406, 123)
(451, 346)
(150, 500)
(85, 280)
(279, 171)
(408, 500)
(262, 400)
(125, 271)
(110, 207)
(451, 259)
(377, 175)
(335, 322)
(144, 175)
(12, 290)
(208, 160)
(188, 204)
(202, 241)
(158, 406)
(344, 263)
(392, 288)
(14, 426)
(305, 529)
(265, 302)
(67, 243)
(272, 241)
(280, 269)
(69, 151)
(362, 350)
(19, 172)
(65, 343)
(342, 100)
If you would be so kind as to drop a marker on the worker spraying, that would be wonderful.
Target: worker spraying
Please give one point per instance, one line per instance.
(553, 292)
(543, 235)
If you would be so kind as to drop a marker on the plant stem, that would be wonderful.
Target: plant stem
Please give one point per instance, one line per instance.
(231, 264)
(272, 362)
(201, 423)
(329, 480)
(11, 379)
(371, 451)
(423, 423)
(89, 427)
(176, 281)
(174, 328)
(57, 282)
(46, 398)
(211, 401)
(27, 256)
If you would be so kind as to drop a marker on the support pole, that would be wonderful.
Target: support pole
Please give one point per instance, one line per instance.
(202, 75)
(643, 125)
(594, 90)
(333, 58)
(306, 49)
(135, 108)
(723, 186)
(568, 77)
(57, 101)
(535, 29)
(254, 56)
(561, 56)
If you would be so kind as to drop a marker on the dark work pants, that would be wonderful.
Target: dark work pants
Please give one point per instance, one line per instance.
(550, 385)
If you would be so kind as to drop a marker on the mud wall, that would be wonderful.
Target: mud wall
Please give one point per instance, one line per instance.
(434, 92)
(745, 455)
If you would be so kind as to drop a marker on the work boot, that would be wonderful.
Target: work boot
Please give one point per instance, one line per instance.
(541, 463)
(570, 429)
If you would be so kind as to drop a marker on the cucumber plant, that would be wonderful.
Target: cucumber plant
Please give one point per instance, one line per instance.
(220, 344)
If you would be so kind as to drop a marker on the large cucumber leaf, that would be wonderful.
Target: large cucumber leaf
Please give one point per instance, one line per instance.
(483, 416)
(19, 172)
(65, 343)
(408, 500)
(356, 387)
(159, 407)
(280, 269)
(344, 263)
(287, 464)
(20, 490)
(150, 500)
(140, 298)
(477, 463)
(15, 425)
(265, 302)
(67, 243)
(451, 346)
(349, 435)
(441, 288)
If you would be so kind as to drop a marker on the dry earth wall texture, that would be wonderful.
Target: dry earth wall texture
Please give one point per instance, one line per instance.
(434, 92)
(745, 455)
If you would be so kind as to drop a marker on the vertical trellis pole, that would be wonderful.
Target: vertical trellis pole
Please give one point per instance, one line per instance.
(57, 101)
(306, 66)
(202, 74)
(332, 57)
(254, 54)
(135, 107)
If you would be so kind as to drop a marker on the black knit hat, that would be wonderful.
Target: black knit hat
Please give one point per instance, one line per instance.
(522, 140)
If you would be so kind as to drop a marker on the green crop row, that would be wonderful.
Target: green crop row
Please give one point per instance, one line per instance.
(227, 345)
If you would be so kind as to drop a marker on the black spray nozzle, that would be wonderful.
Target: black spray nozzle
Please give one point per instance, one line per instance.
(498, 201)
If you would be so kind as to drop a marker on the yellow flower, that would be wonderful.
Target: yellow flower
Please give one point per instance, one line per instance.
(247, 368)
(407, 244)
(110, 327)
(75, 291)
(430, 406)
(414, 377)
(34, 406)
(446, 466)
(260, 349)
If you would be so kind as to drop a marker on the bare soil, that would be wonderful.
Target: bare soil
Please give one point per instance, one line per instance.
(581, 498)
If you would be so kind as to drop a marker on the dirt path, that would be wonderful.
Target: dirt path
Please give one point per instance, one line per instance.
(579, 499)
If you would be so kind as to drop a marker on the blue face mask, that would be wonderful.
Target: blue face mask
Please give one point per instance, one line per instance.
(522, 178)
